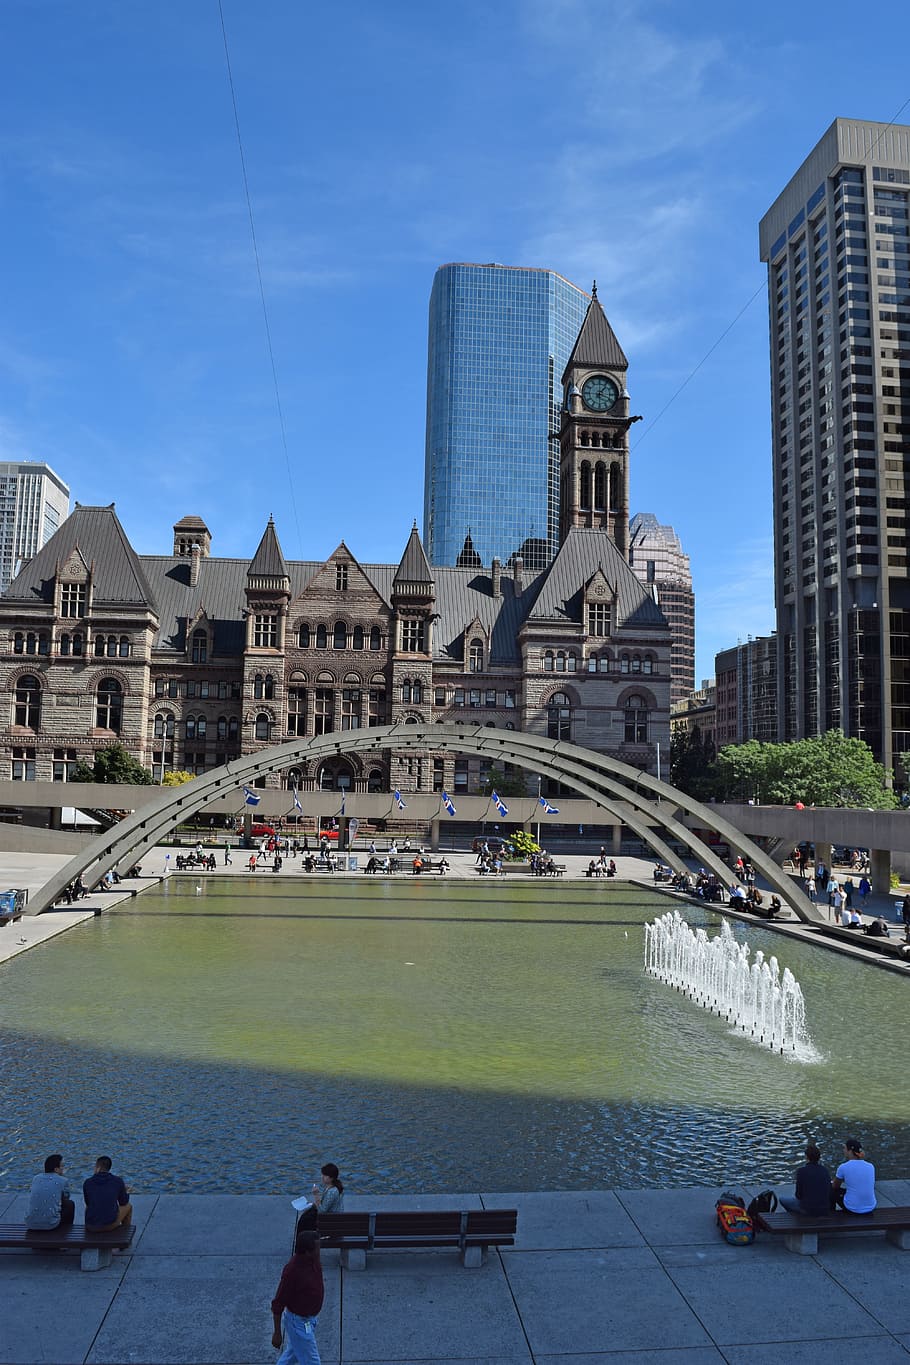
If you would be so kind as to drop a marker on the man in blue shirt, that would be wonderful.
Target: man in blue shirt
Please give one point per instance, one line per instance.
(107, 1200)
(854, 1181)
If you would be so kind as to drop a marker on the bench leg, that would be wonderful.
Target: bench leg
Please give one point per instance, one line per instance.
(472, 1257)
(353, 1258)
(94, 1258)
(803, 1243)
(899, 1237)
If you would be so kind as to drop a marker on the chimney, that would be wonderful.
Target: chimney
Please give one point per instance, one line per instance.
(518, 574)
(496, 572)
(195, 557)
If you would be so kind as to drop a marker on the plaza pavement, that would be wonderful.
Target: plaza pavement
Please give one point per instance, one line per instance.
(637, 1276)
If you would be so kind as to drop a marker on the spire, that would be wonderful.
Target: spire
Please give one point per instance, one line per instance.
(268, 571)
(468, 557)
(596, 346)
(414, 567)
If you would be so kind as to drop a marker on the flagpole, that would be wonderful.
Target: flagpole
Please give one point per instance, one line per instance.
(538, 810)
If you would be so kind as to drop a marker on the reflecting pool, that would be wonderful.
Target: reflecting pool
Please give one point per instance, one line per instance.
(428, 1035)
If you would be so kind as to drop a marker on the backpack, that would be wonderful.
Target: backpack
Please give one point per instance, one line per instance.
(735, 1224)
(766, 1202)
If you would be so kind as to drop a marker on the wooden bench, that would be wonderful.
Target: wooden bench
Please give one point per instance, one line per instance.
(471, 1231)
(800, 1233)
(95, 1247)
(430, 866)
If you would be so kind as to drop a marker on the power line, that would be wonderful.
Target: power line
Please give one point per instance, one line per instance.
(265, 311)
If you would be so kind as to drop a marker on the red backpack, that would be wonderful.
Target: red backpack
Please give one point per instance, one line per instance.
(735, 1224)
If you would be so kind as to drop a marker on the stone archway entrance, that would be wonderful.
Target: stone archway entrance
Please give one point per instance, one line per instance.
(635, 798)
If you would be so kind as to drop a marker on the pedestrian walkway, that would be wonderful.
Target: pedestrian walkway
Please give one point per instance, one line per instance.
(625, 1276)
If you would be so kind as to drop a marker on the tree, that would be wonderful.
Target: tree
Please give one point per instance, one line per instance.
(830, 770)
(176, 777)
(113, 764)
(691, 757)
(504, 783)
(522, 844)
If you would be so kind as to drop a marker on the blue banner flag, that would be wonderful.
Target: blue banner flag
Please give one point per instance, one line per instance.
(499, 804)
(297, 805)
(250, 797)
(447, 803)
(343, 795)
(547, 808)
(398, 801)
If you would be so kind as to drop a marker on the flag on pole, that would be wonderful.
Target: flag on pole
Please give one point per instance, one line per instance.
(250, 797)
(297, 805)
(398, 801)
(447, 803)
(343, 795)
(547, 808)
(500, 805)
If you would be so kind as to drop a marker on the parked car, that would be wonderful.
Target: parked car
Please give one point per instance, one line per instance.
(258, 830)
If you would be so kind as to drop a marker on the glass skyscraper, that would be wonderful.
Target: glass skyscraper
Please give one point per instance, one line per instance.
(499, 340)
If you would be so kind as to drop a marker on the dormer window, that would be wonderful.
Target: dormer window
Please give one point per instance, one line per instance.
(599, 618)
(72, 599)
(475, 656)
(200, 646)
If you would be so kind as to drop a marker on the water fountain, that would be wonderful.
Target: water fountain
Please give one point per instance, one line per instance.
(754, 997)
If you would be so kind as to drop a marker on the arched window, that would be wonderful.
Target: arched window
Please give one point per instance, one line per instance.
(297, 705)
(292, 780)
(191, 727)
(124, 647)
(571, 663)
(584, 484)
(201, 727)
(200, 646)
(65, 644)
(99, 646)
(303, 637)
(475, 655)
(647, 664)
(357, 641)
(561, 661)
(164, 725)
(615, 486)
(269, 691)
(600, 485)
(322, 637)
(258, 686)
(109, 706)
(336, 775)
(28, 702)
(31, 643)
(221, 727)
(559, 717)
(112, 646)
(635, 730)
(623, 663)
(603, 663)
(44, 644)
(406, 690)
(263, 726)
(374, 781)
(636, 663)
(78, 643)
(410, 720)
(18, 643)
(417, 692)
(548, 661)
(375, 638)
(340, 635)
(233, 728)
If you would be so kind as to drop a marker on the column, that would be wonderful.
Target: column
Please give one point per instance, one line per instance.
(880, 861)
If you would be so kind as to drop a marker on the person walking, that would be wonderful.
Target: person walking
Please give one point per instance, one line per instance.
(836, 902)
(865, 887)
(811, 891)
(905, 916)
(298, 1302)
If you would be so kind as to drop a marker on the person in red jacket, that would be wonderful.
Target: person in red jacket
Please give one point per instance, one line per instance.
(299, 1298)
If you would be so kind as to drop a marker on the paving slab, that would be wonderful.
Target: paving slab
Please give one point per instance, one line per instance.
(219, 1224)
(585, 1301)
(675, 1217)
(684, 1355)
(571, 1218)
(834, 1351)
(211, 1310)
(896, 1191)
(875, 1272)
(785, 1299)
(51, 1310)
(410, 1307)
(421, 1203)
(7, 1199)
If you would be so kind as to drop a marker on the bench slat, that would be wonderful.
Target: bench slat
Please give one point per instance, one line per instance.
(75, 1236)
(883, 1217)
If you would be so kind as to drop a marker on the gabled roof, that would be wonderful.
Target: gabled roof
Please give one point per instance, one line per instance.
(96, 533)
(468, 557)
(580, 556)
(414, 566)
(596, 345)
(268, 561)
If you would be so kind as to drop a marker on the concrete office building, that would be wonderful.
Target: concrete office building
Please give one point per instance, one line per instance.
(745, 693)
(499, 340)
(657, 558)
(837, 245)
(33, 503)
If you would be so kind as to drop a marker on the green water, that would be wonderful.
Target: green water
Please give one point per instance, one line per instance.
(442, 1034)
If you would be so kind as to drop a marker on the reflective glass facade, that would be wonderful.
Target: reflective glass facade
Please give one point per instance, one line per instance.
(499, 340)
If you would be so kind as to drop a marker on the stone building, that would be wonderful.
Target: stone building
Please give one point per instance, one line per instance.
(189, 660)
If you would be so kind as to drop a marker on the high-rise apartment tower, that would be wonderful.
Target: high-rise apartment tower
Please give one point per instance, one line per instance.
(837, 245)
(33, 503)
(657, 558)
(499, 340)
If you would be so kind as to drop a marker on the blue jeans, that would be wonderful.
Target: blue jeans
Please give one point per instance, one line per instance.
(299, 1341)
(793, 1205)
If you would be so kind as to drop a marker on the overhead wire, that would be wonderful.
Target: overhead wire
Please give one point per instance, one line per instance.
(265, 311)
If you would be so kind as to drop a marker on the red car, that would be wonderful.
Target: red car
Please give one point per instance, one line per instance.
(259, 830)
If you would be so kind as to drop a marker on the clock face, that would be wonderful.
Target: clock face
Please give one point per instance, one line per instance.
(599, 393)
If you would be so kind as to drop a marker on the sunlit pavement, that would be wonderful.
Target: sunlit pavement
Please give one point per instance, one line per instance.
(638, 1276)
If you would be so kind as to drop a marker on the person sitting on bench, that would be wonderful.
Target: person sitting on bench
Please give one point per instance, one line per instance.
(813, 1187)
(49, 1203)
(107, 1199)
(853, 1186)
(877, 928)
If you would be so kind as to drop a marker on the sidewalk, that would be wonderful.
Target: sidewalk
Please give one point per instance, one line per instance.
(637, 1276)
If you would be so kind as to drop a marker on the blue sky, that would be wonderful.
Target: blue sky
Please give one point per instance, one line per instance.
(638, 143)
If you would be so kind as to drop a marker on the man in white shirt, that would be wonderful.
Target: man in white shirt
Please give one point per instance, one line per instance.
(49, 1203)
(853, 1187)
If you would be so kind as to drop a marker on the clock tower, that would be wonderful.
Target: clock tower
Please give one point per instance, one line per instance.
(594, 435)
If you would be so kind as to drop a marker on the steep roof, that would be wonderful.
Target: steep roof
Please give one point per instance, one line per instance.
(268, 561)
(596, 345)
(117, 573)
(414, 566)
(580, 556)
